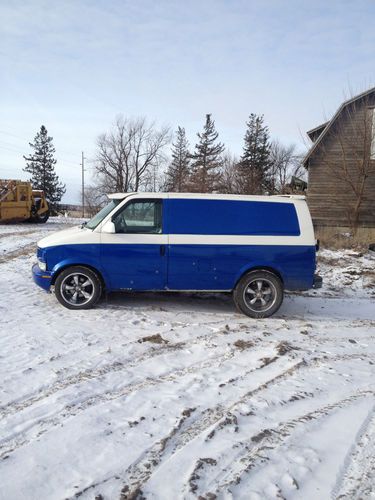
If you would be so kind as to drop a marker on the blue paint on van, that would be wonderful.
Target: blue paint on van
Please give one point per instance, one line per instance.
(41, 278)
(190, 267)
(215, 217)
(219, 267)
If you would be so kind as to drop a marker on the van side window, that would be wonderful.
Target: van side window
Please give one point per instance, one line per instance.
(140, 217)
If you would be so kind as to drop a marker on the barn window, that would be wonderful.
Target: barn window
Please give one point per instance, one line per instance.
(372, 154)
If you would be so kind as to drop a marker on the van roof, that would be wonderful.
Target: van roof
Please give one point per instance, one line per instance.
(207, 196)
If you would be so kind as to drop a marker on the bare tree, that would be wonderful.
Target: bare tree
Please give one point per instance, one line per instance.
(94, 200)
(348, 155)
(285, 163)
(230, 181)
(154, 178)
(129, 154)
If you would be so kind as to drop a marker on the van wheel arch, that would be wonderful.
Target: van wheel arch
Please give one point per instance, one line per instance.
(260, 268)
(93, 269)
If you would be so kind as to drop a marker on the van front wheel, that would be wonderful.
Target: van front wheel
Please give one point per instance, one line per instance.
(78, 287)
(258, 294)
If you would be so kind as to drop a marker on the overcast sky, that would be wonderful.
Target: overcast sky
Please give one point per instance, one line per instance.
(74, 65)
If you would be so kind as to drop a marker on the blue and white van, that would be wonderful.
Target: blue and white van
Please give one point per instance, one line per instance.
(253, 246)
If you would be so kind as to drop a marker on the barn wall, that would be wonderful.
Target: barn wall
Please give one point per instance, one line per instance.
(329, 197)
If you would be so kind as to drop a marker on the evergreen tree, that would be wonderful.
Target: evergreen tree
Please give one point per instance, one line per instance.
(177, 175)
(41, 165)
(206, 159)
(255, 160)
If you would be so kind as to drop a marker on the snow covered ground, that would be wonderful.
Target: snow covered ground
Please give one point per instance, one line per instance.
(180, 397)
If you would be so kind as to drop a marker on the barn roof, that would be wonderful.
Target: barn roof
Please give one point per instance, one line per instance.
(314, 133)
(325, 127)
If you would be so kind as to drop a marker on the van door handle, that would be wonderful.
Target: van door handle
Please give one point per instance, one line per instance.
(162, 250)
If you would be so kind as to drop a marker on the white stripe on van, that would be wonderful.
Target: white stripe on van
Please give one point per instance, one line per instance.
(201, 239)
(90, 238)
(197, 239)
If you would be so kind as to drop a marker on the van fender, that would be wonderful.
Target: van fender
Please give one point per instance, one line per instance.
(256, 266)
(90, 263)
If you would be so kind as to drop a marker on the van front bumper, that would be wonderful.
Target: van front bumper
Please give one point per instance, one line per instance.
(318, 281)
(41, 278)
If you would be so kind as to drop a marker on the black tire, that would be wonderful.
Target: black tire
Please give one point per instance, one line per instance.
(78, 287)
(264, 289)
(41, 218)
(38, 218)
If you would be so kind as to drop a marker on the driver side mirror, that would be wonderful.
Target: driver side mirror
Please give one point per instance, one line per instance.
(109, 228)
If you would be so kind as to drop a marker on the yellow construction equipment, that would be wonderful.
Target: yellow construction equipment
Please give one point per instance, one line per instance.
(20, 202)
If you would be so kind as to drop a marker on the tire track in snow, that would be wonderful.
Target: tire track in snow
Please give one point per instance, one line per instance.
(187, 428)
(9, 445)
(25, 250)
(210, 421)
(208, 339)
(141, 471)
(119, 365)
(85, 376)
(266, 441)
(357, 478)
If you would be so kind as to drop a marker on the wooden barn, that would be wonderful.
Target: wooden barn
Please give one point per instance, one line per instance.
(341, 168)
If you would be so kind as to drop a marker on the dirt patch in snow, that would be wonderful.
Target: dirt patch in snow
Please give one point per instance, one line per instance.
(284, 347)
(154, 339)
(243, 344)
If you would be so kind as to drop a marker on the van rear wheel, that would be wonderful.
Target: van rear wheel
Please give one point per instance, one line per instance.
(259, 294)
(78, 287)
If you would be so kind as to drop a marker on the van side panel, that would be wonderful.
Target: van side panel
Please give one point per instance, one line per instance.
(219, 267)
(212, 243)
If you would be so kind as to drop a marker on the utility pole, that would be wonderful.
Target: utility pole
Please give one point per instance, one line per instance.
(83, 184)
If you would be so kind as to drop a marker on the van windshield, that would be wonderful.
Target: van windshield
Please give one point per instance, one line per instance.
(97, 219)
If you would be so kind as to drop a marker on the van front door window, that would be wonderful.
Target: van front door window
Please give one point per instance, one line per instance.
(139, 217)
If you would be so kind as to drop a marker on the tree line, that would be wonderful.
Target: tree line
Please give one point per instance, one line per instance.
(137, 155)
(133, 156)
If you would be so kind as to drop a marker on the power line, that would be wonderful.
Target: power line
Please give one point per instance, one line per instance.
(12, 135)
(9, 143)
(14, 150)
(28, 141)
(6, 148)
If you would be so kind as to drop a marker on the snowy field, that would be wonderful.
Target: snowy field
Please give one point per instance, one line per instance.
(180, 397)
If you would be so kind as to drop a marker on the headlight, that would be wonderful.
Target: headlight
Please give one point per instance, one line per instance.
(42, 265)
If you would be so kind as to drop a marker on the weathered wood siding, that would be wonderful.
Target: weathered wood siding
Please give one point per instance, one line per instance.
(328, 196)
